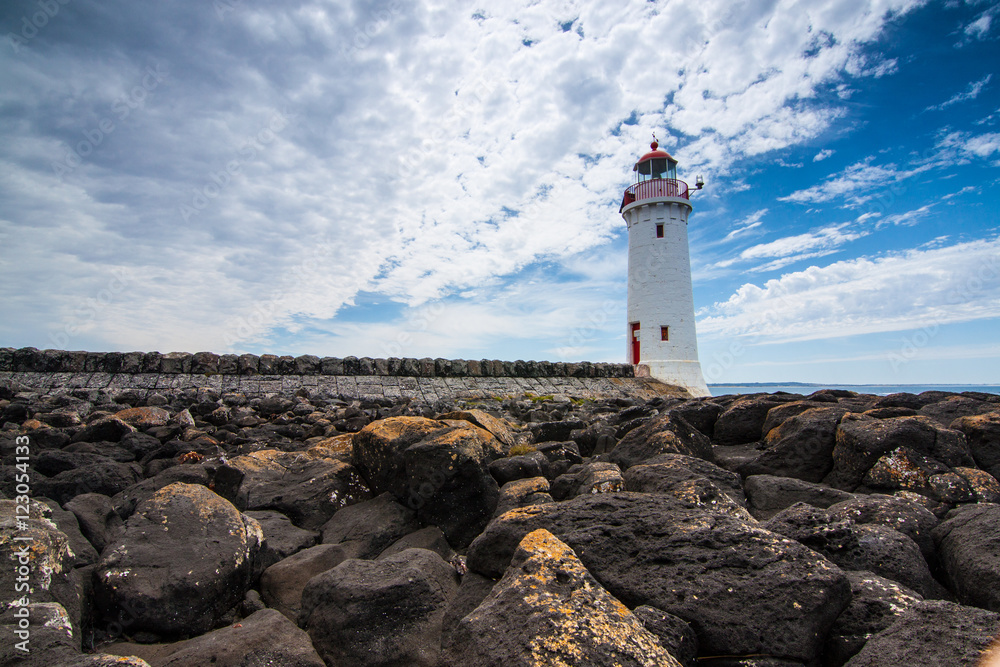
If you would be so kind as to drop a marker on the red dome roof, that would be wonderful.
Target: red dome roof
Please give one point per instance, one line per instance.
(654, 152)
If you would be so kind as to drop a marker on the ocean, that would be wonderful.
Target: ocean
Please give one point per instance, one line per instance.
(877, 389)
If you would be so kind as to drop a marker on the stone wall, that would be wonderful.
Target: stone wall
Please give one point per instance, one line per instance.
(146, 373)
(32, 360)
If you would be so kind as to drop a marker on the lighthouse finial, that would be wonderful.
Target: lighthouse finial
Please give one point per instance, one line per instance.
(655, 144)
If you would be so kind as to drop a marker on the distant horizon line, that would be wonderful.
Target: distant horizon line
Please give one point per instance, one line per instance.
(852, 384)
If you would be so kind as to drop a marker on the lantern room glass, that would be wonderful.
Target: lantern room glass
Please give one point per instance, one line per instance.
(654, 168)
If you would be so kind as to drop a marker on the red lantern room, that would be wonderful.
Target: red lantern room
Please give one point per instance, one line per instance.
(656, 176)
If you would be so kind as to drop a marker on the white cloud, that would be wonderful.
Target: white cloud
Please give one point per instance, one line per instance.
(979, 28)
(823, 154)
(748, 223)
(918, 288)
(414, 131)
(971, 93)
(855, 185)
(907, 219)
(796, 248)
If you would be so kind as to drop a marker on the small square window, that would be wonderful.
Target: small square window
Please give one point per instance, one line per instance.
(664, 333)
(659, 231)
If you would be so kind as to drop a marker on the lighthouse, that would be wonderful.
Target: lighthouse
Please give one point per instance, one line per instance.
(661, 339)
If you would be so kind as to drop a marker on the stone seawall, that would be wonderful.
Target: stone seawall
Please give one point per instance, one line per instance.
(55, 371)
(32, 360)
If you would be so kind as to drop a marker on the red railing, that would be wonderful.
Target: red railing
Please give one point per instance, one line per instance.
(658, 187)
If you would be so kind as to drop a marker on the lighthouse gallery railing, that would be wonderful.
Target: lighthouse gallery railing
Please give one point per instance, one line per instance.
(657, 187)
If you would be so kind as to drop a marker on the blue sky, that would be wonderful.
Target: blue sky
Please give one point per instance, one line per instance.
(443, 179)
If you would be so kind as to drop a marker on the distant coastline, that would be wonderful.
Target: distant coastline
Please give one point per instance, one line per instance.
(722, 389)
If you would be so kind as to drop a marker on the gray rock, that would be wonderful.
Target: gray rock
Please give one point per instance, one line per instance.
(97, 518)
(282, 538)
(282, 584)
(263, 638)
(767, 495)
(365, 613)
(548, 609)
(876, 603)
(185, 558)
(931, 633)
(372, 525)
(656, 550)
(969, 546)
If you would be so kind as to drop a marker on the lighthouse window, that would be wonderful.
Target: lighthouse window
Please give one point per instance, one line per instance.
(664, 333)
(659, 231)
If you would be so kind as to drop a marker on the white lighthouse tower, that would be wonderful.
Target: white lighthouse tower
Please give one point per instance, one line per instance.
(661, 337)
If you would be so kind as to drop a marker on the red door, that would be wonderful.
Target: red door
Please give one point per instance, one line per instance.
(635, 342)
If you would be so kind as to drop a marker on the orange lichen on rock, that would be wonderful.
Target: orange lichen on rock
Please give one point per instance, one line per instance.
(551, 606)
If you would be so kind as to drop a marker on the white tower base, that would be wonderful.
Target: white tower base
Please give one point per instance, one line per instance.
(685, 374)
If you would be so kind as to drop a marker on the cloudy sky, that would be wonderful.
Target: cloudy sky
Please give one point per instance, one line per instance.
(434, 178)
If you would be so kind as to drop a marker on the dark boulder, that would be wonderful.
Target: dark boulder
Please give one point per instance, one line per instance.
(306, 487)
(876, 603)
(282, 583)
(380, 612)
(862, 440)
(908, 517)
(522, 466)
(548, 609)
(263, 638)
(97, 518)
(523, 492)
(596, 439)
(667, 434)
(657, 550)
(767, 495)
(701, 484)
(669, 469)
(983, 435)
(282, 538)
(501, 429)
(371, 525)
(673, 633)
(448, 481)
(559, 430)
(185, 558)
(588, 478)
(699, 413)
(430, 538)
(954, 407)
(800, 447)
(36, 554)
(108, 429)
(985, 488)
(872, 547)
(969, 546)
(126, 501)
(932, 633)
(102, 476)
(743, 421)
(66, 521)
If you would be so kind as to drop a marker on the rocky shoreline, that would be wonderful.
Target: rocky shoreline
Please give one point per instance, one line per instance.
(197, 526)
